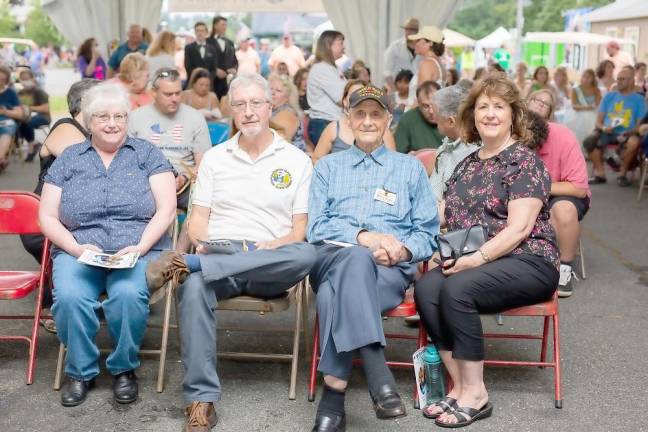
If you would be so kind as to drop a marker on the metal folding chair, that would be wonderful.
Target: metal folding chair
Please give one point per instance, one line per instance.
(19, 215)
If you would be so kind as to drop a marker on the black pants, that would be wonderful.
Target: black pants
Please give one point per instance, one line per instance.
(450, 305)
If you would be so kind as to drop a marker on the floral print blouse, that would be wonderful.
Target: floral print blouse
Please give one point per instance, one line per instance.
(479, 192)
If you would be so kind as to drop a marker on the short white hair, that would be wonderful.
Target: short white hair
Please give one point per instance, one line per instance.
(101, 97)
(448, 99)
(246, 80)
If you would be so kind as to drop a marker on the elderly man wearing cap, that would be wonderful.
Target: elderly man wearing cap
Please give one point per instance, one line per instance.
(400, 54)
(620, 58)
(372, 216)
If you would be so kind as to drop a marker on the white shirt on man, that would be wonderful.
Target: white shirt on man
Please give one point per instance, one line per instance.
(253, 199)
(398, 57)
(292, 56)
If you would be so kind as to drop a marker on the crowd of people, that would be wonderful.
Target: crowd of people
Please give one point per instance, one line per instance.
(319, 179)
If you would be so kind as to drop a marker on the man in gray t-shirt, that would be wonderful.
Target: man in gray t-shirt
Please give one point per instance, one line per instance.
(177, 129)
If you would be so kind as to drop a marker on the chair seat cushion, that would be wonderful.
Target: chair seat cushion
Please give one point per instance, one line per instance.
(17, 284)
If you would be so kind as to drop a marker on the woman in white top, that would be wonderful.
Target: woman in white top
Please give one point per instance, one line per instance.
(325, 84)
(199, 95)
(563, 88)
(161, 53)
(429, 45)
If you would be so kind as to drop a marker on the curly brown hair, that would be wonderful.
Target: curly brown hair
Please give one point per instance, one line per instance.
(539, 129)
(500, 87)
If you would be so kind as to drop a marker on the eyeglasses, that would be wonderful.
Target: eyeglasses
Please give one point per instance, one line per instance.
(541, 102)
(105, 117)
(255, 105)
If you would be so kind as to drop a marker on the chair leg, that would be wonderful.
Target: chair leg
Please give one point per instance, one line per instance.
(165, 338)
(644, 169)
(33, 342)
(557, 370)
(296, 338)
(582, 259)
(313, 366)
(307, 341)
(59, 367)
(545, 332)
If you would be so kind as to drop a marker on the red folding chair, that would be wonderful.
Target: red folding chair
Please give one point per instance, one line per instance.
(19, 215)
(548, 310)
(405, 309)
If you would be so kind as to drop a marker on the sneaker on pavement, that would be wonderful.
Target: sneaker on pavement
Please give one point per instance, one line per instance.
(623, 181)
(565, 284)
(597, 180)
(170, 265)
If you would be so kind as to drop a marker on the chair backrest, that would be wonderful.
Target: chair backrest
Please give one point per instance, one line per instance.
(19, 213)
(427, 158)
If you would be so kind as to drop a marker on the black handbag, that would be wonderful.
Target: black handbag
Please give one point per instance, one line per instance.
(455, 244)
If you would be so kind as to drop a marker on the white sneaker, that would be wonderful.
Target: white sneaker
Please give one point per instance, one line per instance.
(565, 287)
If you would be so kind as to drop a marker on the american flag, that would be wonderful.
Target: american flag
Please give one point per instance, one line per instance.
(157, 133)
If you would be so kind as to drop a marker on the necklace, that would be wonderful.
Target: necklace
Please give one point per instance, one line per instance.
(496, 150)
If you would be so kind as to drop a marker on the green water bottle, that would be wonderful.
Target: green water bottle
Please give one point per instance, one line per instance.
(434, 385)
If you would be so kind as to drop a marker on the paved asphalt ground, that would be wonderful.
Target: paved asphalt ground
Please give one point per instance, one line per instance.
(604, 330)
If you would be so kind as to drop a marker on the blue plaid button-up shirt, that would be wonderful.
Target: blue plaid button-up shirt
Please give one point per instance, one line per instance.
(342, 203)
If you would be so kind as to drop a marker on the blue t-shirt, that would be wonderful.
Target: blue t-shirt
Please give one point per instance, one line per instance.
(622, 112)
(8, 99)
(121, 52)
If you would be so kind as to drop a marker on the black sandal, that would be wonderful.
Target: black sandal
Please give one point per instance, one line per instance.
(446, 405)
(466, 416)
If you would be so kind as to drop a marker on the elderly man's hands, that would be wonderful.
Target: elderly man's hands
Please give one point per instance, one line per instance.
(387, 249)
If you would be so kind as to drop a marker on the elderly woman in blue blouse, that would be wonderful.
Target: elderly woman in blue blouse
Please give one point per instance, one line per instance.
(115, 194)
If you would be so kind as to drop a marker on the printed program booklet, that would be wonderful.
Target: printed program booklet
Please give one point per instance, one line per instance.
(109, 261)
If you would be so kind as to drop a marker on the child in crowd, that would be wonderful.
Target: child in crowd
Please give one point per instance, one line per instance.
(401, 95)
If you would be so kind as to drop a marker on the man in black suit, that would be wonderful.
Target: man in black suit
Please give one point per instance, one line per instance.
(200, 54)
(226, 62)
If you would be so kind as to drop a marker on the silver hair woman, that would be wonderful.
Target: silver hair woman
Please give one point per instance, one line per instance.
(113, 194)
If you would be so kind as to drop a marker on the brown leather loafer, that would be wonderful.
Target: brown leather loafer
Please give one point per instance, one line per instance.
(170, 265)
(201, 417)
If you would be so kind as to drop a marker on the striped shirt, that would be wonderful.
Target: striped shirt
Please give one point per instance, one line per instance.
(344, 199)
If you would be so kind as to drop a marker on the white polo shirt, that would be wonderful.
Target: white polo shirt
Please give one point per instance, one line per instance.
(253, 200)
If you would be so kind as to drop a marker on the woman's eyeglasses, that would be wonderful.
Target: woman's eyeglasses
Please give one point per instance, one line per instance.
(105, 117)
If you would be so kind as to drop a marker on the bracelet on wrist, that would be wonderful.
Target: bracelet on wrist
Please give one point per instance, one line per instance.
(484, 255)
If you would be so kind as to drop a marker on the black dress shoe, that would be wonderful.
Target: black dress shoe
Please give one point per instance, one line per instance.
(329, 423)
(74, 392)
(125, 387)
(387, 403)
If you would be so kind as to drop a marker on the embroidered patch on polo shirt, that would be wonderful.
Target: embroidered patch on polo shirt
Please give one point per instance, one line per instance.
(280, 178)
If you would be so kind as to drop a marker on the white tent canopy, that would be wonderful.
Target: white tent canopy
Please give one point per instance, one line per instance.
(580, 38)
(368, 25)
(371, 25)
(455, 39)
(104, 20)
(495, 39)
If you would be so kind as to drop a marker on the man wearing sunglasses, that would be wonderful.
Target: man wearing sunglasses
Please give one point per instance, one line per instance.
(177, 129)
(617, 124)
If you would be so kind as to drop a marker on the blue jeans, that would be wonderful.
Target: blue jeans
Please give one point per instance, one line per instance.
(77, 288)
(27, 128)
(315, 128)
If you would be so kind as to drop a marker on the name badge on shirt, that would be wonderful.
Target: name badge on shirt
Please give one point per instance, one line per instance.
(385, 196)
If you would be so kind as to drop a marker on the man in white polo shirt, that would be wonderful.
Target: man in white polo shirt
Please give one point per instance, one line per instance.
(248, 222)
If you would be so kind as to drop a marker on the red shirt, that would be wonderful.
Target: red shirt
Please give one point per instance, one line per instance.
(563, 157)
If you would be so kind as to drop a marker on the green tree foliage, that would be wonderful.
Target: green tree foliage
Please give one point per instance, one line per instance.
(40, 28)
(477, 18)
(8, 26)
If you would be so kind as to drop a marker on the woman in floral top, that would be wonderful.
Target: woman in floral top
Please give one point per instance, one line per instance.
(503, 187)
